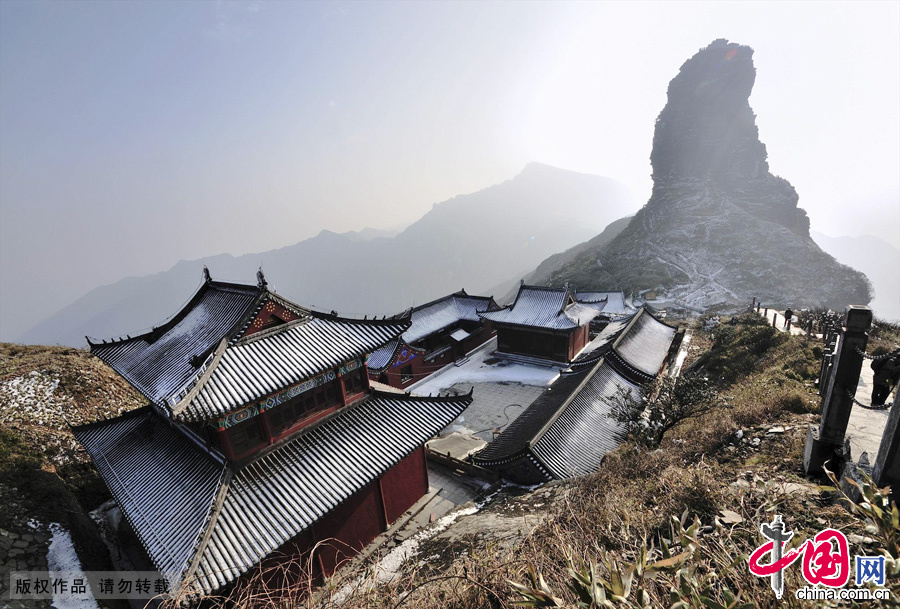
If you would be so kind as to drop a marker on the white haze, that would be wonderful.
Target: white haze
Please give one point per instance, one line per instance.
(133, 135)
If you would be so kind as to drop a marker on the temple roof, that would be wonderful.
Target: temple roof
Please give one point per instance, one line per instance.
(199, 364)
(576, 441)
(259, 365)
(431, 318)
(613, 302)
(568, 429)
(638, 348)
(445, 312)
(206, 524)
(540, 307)
(163, 483)
(159, 362)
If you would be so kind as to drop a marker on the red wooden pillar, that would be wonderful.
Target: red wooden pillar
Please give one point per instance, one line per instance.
(266, 426)
(340, 380)
(425, 466)
(225, 443)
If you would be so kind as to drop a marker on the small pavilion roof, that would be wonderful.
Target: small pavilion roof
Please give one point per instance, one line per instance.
(613, 302)
(205, 524)
(542, 307)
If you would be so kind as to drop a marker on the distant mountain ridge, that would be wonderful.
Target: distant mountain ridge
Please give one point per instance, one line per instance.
(878, 259)
(474, 241)
(719, 228)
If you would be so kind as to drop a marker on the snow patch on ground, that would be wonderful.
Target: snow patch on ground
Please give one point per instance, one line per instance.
(390, 565)
(61, 558)
(478, 370)
(31, 398)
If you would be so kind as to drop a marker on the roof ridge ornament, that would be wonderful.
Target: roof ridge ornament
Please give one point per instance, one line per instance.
(261, 279)
(206, 276)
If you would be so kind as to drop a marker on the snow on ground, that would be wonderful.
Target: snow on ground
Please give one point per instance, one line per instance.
(61, 558)
(682, 354)
(31, 399)
(483, 367)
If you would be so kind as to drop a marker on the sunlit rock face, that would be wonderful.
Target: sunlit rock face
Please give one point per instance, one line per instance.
(719, 228)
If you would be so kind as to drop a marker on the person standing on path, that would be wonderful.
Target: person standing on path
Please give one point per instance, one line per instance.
(887, 373)
(788, 315)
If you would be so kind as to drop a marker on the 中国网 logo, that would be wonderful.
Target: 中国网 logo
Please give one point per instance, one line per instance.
(825, 565)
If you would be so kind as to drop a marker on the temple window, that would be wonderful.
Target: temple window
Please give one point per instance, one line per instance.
(245, 436)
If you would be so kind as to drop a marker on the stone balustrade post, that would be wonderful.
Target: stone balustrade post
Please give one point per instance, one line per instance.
(827, 441)
(887, 464)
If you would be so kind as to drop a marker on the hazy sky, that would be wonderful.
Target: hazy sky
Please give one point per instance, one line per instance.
(133, 135)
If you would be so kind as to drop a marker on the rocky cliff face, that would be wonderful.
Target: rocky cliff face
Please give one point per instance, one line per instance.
(719, 228)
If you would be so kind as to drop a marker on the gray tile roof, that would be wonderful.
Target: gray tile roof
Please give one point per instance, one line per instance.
(445, 312)
(567, 431)
(575, 443)
(552, 308)
(646, 343)
(636, 346)
(217, 526)
(163, 484)
(613, 302)
(265, 363)
(158, 363)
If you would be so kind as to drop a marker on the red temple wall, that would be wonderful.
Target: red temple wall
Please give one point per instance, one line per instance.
(352, 525)
(404, 484)
(578, 340)
(349, 527)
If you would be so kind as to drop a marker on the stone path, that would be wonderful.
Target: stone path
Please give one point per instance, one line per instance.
(778, 316)
(866, 426)
(21, 551)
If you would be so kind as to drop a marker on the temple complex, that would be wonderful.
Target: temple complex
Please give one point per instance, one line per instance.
(261, 437)
(568, 429)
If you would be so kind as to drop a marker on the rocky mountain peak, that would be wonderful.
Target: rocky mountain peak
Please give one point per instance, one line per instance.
(719, 228)
(707, 127)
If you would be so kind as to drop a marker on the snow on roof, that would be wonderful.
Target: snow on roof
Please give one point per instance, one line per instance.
(445, 312)
(541, 307)
(613, 302)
